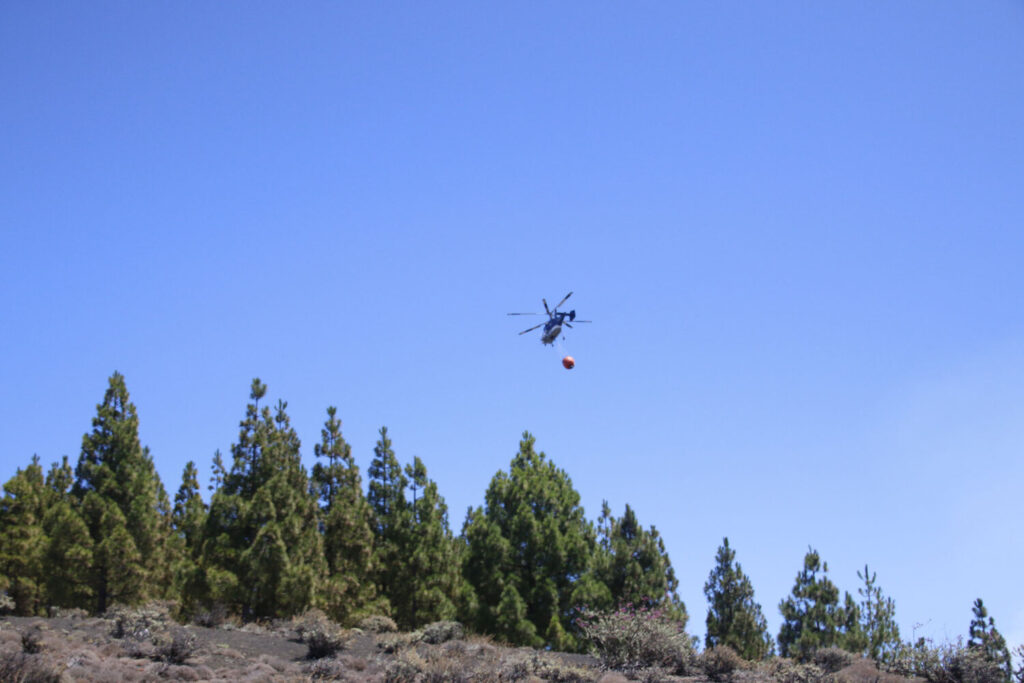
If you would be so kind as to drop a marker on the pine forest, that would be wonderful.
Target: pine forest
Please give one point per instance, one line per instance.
(273, 540)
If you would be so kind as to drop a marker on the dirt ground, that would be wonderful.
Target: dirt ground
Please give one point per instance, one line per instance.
(97, 650)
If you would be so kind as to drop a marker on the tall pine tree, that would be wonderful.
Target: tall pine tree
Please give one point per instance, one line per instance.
(530, 553)
(189, 520)
(878, 619)
(416, 555)
(632, 562)
(23, 539)
(392, 520)
(350, 591)
(69, 546)
(986, 639)
(123, 504)
(812, 616)
(436, 586)
(734, 618)
(263, 550)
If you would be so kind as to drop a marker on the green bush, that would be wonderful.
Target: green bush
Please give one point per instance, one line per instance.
(636, 638)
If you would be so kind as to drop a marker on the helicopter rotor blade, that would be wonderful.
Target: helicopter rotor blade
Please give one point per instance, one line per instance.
(567, 325)
(532, 328)
(582, 321)
(522, 314)
(563, 300)
(546, 309)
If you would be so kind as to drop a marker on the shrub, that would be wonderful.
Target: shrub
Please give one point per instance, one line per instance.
(378, 623)
(946, 663)
(324, 640)
(19, 667)
(311, 618)
(635, 638)
(971, 665)
(719, 662)
(176, 649)
(396, 642)
(7, 604)
(327, 669)
(832, 659)
(213, 617)
(442, 632)
(31, 642)
(789, 671)
(137, 623)
(863, 670)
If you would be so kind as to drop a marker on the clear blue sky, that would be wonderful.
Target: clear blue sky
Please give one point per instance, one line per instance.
(796, 226)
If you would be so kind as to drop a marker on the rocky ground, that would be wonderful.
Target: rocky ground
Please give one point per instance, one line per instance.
(108, 650)
(133, 646)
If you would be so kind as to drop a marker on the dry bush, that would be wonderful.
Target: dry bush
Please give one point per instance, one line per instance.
(720, 662)
(832, 659)
(632, 639)
(392, 643)
(378, 623)
(139, 623)
(523, 664)
(7, 604)
(442, 631)
(864, 671)
(20, 667)
(311, 618)
(972, 666)
(32, 642)
(790, 671)
(324, 640)
(945, 663)
(213, 617)
(177, 648)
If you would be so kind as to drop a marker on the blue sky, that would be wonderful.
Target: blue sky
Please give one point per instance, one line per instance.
(796, 227)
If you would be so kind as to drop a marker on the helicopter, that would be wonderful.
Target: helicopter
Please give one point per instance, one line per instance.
(556, 319)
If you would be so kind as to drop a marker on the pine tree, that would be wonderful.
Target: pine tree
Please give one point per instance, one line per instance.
(435, 579)
(262, 550)
(392, 521)
(812, 616)
(417, 558)
(350, 591)
(23, 539)
(189, 520)
(986, 639)
(117, 573)
(633, 564)
(122, 501)
(878, 619)
(530, 551)
(68, 553)
(734, 618)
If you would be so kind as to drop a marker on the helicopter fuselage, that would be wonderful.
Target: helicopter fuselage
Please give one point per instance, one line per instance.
(551, 332)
